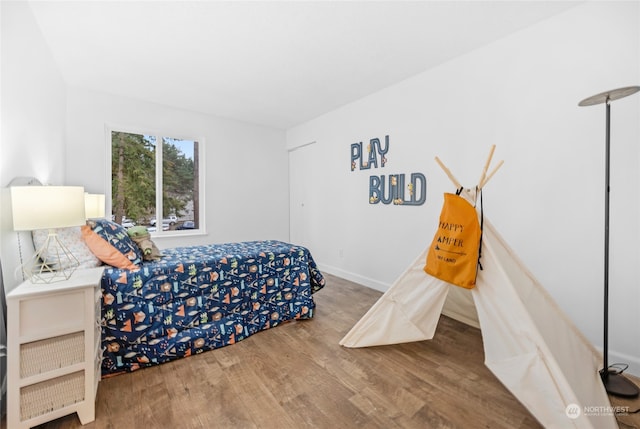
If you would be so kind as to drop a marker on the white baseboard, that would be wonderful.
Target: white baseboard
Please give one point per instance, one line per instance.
(356, 278)
(632, 361)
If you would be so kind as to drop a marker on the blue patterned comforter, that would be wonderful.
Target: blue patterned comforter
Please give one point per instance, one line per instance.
(202, 297)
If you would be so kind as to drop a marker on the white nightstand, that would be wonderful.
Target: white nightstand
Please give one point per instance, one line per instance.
(53, 345)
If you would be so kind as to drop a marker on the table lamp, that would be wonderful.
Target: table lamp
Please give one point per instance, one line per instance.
(48, 207)
(94, 205)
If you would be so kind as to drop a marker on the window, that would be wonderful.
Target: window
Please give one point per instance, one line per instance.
(156, 182)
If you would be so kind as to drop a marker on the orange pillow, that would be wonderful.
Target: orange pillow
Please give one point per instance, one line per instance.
(105, 251)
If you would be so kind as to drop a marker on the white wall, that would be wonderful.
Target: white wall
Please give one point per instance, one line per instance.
(57, 134)
(32, 117)
(520, 93)
(246, 165)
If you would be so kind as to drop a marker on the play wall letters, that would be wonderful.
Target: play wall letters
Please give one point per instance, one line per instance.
(394, 188)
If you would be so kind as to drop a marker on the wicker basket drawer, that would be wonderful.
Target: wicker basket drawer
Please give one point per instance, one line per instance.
(50, 395)
(41, 356)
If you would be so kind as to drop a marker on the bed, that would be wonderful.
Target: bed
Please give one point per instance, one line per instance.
(200, 298)
(191, 299)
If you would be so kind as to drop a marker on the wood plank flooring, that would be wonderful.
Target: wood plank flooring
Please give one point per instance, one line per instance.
(297, 376)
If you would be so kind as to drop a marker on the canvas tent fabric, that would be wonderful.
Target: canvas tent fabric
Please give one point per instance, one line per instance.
(530, 345)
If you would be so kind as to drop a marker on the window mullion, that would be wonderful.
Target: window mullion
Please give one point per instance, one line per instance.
(159, 201)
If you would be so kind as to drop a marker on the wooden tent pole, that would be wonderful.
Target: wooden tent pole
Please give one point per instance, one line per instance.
(491, 175)
(448, 173)
(486, 167)
(484, 179)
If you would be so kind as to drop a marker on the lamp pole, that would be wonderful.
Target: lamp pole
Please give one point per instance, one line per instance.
(614, 382)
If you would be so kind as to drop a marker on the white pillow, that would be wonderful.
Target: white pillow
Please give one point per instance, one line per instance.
(70, 237)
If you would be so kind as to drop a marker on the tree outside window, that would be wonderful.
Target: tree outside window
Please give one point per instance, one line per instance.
(149, 185)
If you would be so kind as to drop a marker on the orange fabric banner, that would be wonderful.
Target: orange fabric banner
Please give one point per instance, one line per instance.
(454, 252)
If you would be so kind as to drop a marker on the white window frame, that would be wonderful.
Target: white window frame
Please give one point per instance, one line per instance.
(201, 230)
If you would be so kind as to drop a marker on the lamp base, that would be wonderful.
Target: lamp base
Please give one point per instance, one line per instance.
(53, 262)
(618, 385)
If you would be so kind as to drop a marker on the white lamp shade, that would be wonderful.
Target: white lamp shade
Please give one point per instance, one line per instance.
(44, 207)
(94, 205)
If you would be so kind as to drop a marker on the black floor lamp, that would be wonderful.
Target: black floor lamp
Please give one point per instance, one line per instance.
(614, 382)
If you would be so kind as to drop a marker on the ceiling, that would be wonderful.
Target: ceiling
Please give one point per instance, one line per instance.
(271, 63)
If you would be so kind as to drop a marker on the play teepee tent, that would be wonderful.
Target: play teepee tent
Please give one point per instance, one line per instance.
(529, 343)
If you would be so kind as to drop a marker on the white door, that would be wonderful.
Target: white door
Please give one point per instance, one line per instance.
(301, 196)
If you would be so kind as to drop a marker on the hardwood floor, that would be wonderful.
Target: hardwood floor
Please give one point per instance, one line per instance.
(297, 376)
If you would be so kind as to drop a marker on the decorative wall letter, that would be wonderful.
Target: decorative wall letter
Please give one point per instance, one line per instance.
(391, 190)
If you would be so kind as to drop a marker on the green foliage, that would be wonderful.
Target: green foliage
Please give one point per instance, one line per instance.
(178, 177)
(133, 176)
